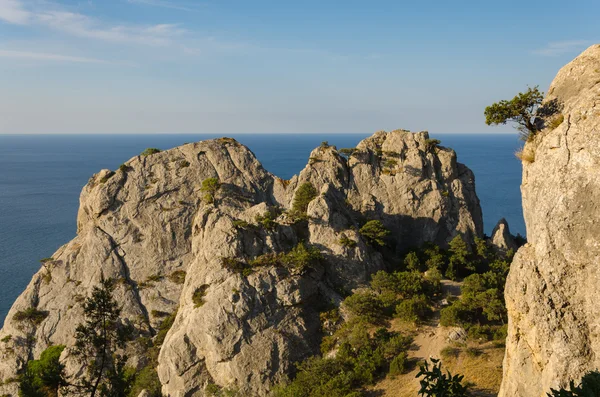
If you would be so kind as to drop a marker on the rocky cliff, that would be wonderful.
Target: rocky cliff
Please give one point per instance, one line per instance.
(150, 226)
(553, 287)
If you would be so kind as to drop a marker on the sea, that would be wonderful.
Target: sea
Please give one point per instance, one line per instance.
(41, 177)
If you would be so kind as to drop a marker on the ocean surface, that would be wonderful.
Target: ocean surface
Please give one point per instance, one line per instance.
(41, 177)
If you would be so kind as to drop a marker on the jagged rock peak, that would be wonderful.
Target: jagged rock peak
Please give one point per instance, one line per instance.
(501, 238)
(554, 280)
(242, 318)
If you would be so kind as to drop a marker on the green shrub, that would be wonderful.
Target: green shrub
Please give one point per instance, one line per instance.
(324, 145)
(146, 379)
(399, 364)
(199, 294)
(240, 224)
(431, 144)
(124, 168)
(374, 232)
(178, 277)
(267, 220)
(436, 383)
(233, 264)
(45, 376)
(347, 242)
(303, 196)
(589, 387)
(210, 187)
(366, 305)
(158, 313)
(267, 260)
(473, 351)
(106, 177)
(6, 339)
(414, 309)
(31, 315)
(449, 352)
(301, 257)
(412, 263)
(150, 151)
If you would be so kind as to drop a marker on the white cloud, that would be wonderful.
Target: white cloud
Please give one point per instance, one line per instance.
(42, 56)
(12, 11)
(164, 4)
(562, 47)
(83, 26)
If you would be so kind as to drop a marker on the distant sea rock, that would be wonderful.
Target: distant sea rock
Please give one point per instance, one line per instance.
(553, 288)
(150, 226)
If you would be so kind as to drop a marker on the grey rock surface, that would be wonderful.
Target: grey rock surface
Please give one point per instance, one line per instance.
(501, 238)
(553, 287)
(149, 226)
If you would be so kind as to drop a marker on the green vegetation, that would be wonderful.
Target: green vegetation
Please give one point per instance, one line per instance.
(150, 151)
(241, 224)
(199, 294)
(210, 187)
(267, 220)
(374, 232)
(97, 342)
(347, 242)
(589, 387)
(124, 168)
(347, 152)
(43, 377)
(31, 315)
(361, 360)
(431, 144)
(304, 195)
(435, 383)
(178, 276)
(525, 109)
(106, 177)
(302, 257)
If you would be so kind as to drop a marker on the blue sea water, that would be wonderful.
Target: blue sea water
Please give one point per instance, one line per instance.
(41, 177)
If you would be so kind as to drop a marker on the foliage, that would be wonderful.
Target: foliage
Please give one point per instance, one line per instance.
(44, 377)
(435, 383)
(431, 144)
(525, 109)
(345, 241)
(399, 364)
(97, 341)
(304, 195)
(589, 387)
(199, 294)
(347, 152)
(374, 232)
(267, 220)
(411, 261)
(414, 309)
(178, 276)
(302, 256)
(361, 359)
(210, 187)
(31, 315)
(150, 151)
(366, 305)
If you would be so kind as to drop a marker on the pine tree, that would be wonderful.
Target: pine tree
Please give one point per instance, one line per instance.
(97, 341)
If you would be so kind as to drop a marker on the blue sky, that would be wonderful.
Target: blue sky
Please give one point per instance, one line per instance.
(161, 66)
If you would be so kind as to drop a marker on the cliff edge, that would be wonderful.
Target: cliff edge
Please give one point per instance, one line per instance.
(552, 289)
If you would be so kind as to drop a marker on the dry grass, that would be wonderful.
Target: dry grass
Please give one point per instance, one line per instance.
(556, 121)
(526, 155)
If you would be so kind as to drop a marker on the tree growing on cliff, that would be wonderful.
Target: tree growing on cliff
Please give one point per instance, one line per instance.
(97, 341)
(525, 109)
(43, 377)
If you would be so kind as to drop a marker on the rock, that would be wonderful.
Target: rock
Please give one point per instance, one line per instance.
(501, 238)
(457, 335)
(149, 226)
(552, 288)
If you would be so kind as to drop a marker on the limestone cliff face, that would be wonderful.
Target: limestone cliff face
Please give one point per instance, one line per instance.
(553, 287)
(147, 226)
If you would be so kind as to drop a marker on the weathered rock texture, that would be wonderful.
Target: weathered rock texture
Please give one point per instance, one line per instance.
(148, 221)
(501, 238)
(553, 287)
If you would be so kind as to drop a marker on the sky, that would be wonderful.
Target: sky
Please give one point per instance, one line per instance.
(184, 66)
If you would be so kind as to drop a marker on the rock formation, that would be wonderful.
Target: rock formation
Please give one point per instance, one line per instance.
(150, 226)
(501, 238)
(552, 289)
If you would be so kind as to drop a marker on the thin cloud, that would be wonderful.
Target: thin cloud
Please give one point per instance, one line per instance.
(163, 4)
(562, 47)
(83, 26)
(12, 11)
(43, 56)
